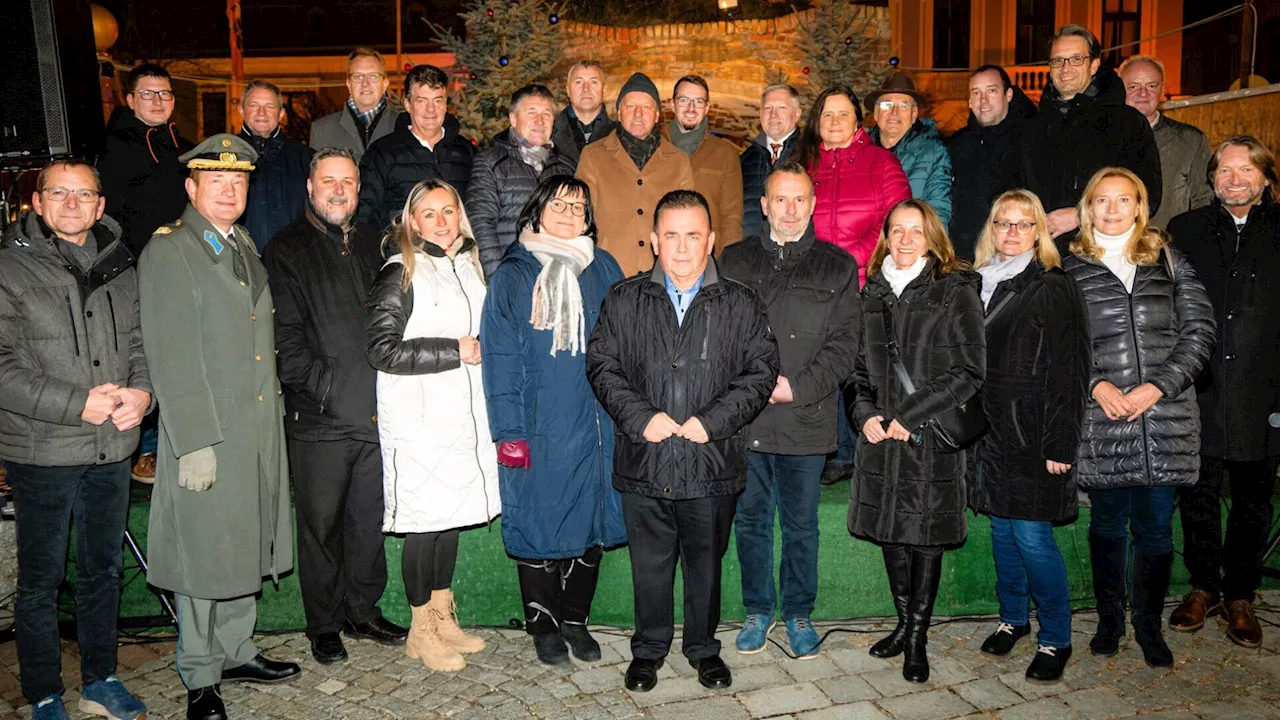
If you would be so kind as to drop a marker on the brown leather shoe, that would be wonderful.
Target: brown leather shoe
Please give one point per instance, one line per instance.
(1199, 604)
(144, 471)
(1242, 624)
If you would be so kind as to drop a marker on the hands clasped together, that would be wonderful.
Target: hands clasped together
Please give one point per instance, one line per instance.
(662, 427)
(1118, 405)
(125, 407)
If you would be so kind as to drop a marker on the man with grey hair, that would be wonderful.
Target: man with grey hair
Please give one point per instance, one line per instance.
(1184, 149)
(277, 187)
(504, 176)
(779, 116)
(585, 120)
(321, 267)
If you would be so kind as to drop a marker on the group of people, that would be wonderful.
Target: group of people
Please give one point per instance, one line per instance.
(612, 332)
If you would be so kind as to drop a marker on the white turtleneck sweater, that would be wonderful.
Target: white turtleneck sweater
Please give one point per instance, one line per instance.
(899, 278)
(1113, 255)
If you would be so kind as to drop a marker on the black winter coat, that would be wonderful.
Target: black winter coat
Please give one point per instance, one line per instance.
(904, 493)
(320, 278)
(277, 185)
(720, 365)
(756, 165)
(393, 164)
(1034, 397)
(1055, 154)
(975, 155)
(568, 137)
(810, 289)
(501, 183)
(1162, 332)
(142, 180)
(1240, 389)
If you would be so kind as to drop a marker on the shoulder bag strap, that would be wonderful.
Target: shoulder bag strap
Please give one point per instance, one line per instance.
(891, 343)
(999, 306)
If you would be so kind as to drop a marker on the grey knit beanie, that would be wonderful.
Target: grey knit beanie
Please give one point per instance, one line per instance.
(639, 82)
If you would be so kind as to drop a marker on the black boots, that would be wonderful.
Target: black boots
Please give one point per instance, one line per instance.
(1107, 556)
(897, 561)
(1150, 585)
(926, 571)
(557, 598)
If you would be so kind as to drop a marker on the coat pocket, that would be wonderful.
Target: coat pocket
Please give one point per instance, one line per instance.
(222, 405)
(1017, 424)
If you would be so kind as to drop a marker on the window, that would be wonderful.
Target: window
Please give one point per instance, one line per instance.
(1121, 23)
(1035, 27)
(951, 33)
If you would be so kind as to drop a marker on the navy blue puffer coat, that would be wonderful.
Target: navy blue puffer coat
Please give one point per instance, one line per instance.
(565, 503)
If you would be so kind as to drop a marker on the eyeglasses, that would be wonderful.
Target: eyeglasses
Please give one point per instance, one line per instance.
(559, 206)
(60, 194)
(888, 105)
(1075, 60)
(164, 95)
(362, 78)
(1020, 228)
(687, 101)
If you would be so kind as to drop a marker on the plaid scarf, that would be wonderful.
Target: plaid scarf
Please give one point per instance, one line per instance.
(366, 118)
(640, 149)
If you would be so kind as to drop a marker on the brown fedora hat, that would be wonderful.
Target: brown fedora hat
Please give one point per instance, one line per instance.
(896, 83)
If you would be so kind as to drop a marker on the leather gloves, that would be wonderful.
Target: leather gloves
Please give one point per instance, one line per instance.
(197, 469)
(514, 454)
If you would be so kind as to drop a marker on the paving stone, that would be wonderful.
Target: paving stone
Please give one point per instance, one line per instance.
(857, 662)
(713, 708)
(331, 686)
(931, 705)
(949, 671)
(669, 690)
(786, 699)
(759, 676)
(847, 689)
(1046, 709)
(850, 711)
(988, 694)
(1099, 703)
(890, 683)
(1017, 681)
(1240, 709)
(598, 679)
(813, 668)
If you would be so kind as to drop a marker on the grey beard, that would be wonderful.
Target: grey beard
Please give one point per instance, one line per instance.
(339, 215)
(1240, 203)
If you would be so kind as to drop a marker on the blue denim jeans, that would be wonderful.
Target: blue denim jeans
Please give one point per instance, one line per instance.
(789, 485)
(1029, 567)
(1147, 512)
(47, 501)
(150, 433)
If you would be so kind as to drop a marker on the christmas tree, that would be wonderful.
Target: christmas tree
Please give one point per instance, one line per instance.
(508, 44)
(839, 47)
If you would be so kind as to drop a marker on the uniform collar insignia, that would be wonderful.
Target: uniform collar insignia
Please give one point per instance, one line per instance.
(211, 238)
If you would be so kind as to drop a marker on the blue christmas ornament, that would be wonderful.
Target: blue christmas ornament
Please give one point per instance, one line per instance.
(894, 61)
(554, 18)
(503, 61)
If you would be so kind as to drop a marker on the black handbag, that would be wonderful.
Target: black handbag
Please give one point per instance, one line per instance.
(953, 430)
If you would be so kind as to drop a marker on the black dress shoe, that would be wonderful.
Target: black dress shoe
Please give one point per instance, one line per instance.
(1048, 664)
(262, 670)
(379, 630)
(327, 648)
(1001, 641)
(642, 674)
(206, 704)
(585, 647)
(712, 672)
(551, 648)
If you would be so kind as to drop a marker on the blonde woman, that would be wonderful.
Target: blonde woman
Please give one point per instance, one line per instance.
(439, 468)
(1152, 331)
(1037, 380)
(921, 305)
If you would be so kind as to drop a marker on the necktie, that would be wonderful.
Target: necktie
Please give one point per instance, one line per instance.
(776, 149)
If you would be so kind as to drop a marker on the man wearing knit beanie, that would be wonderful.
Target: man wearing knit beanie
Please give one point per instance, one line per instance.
(629, 171)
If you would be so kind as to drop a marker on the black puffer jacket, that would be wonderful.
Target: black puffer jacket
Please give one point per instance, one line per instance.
(904, 493)
(320, 278)
(1162, 332)
(1240, 388)
(395, 163)
(142, 180)
(811, 291)
(501, 183)
(1034, 396)
(756, 166)
(720, 365)
(568, 137)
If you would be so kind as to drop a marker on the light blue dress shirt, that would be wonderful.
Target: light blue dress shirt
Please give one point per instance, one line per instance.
(682, 300)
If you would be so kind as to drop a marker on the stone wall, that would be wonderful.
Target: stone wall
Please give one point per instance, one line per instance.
(738, 58)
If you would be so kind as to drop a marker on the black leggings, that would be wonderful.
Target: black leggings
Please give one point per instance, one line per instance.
(427, 564)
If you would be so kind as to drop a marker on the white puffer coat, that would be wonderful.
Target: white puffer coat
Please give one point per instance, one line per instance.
(439, 464)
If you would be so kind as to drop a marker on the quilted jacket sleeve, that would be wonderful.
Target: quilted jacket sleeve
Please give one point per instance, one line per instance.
(27, 390)
(483, 207)
(373, 172)
(387, 348)
(1197, 331)
(959, 383)
(504, 336)
(937, 185)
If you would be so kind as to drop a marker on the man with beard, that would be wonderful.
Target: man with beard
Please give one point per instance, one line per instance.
(585, 120)
(1234, 244)
(629, 172)
(717, 174)
(277, 187)
(321, 267)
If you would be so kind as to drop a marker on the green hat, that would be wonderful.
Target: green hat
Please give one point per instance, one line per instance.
(221, 152)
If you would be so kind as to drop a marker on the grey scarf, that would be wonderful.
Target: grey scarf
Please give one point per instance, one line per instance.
(688, 141)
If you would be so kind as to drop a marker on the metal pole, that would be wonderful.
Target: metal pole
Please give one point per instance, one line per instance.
(1246, 44)
(399, 59)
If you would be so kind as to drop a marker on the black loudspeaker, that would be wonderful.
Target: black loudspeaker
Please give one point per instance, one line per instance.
(50, 96)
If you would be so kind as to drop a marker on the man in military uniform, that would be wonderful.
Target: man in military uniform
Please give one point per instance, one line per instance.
(220, 506)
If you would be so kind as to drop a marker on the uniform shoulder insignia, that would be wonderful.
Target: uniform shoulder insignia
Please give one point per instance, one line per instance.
(163, 230)
(177, 223)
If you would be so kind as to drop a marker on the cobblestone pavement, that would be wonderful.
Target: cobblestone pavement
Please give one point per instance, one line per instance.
(1212, 679)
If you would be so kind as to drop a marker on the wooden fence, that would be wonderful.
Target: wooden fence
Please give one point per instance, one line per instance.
(1255, 111)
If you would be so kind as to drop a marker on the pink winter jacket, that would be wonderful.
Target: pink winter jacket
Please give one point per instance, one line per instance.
(856, 187)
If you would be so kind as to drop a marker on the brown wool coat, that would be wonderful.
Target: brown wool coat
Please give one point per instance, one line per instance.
(624, 198)
(717, 174)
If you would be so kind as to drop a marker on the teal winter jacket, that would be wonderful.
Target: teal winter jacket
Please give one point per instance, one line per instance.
(927, 164)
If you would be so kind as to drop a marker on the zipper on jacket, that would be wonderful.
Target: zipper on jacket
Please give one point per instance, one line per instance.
(71, 315)
(605, 472)
(114, 332)
(471, 403)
